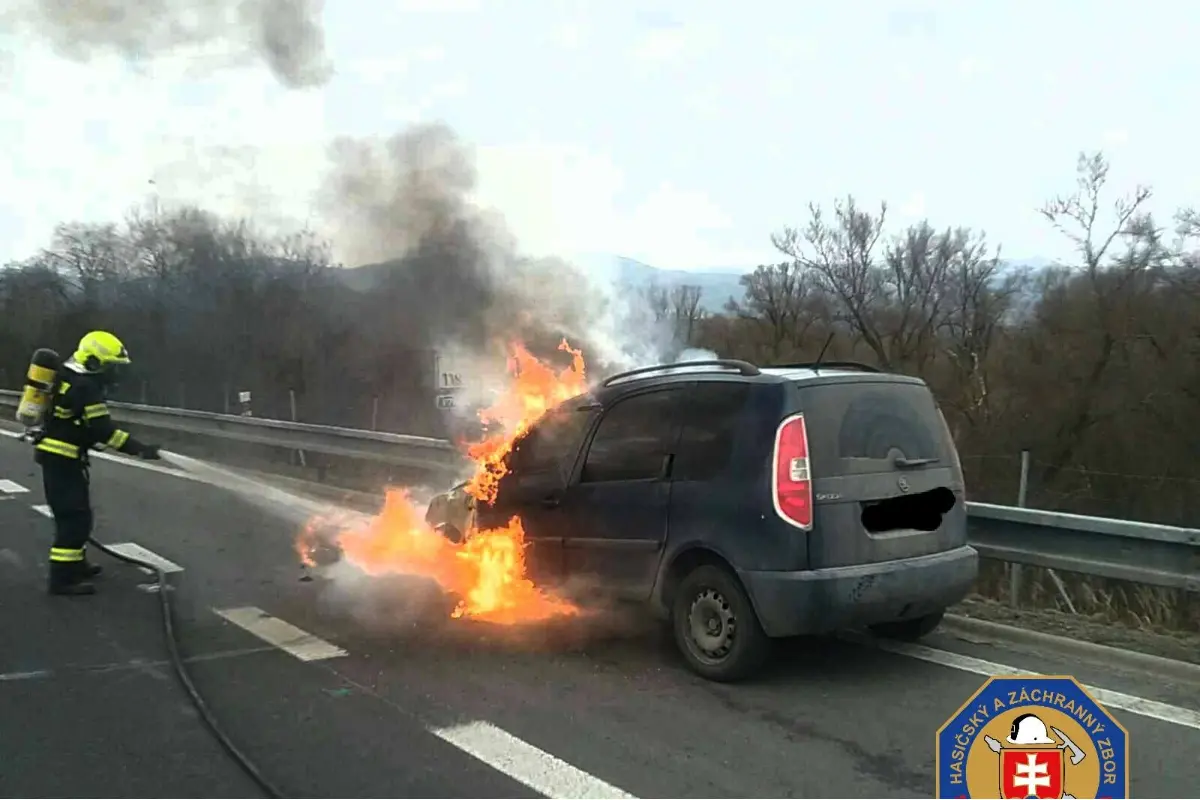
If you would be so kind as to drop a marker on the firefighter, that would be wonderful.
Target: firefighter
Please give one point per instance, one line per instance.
(77, 421)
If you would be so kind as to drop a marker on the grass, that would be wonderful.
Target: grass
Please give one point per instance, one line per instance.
(1132, 605)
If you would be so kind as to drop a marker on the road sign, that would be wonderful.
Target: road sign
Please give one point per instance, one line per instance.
(449, 373)
(445, 401)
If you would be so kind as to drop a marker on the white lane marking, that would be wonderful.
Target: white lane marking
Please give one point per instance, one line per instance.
(134, 550)
(537, 769)
(1164, 712)
(11, 487)
(285, 636)
(44, 511)
(30, 675)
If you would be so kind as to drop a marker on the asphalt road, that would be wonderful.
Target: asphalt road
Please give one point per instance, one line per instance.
(89, 706)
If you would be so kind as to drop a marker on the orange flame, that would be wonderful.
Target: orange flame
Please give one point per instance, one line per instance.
(536, 389)
(487, 571)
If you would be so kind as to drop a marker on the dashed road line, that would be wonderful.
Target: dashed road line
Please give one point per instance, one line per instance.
(27, 675)
(134, 550)
(544, 773)
(1164, 712)
(44, 511)
(11, 487)
(284, 635)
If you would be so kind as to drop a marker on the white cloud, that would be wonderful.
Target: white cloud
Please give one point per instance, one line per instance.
(562, 199)
(913, 207)
(661, 45)
(105, 141)
(568, 36)
(972, 67)
(1114, 137)
(88, 149)
(672, 44)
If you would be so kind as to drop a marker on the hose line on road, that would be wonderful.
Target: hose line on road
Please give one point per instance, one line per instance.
(185, 679)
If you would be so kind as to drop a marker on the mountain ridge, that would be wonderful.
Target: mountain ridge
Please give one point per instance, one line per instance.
(717, 286)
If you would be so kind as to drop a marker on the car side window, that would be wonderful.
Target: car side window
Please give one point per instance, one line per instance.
(550, 443)
(709, 417)
(633, 438)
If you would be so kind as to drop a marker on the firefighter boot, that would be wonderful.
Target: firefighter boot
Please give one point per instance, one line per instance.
(91, 570)
(69, 578)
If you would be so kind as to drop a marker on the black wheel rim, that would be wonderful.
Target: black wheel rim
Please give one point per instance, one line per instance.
(710, 627)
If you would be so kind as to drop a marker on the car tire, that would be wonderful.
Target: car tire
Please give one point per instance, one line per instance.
(909, 630)
(715, 627)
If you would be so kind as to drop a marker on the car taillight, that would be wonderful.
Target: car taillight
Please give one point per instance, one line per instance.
(790, 477)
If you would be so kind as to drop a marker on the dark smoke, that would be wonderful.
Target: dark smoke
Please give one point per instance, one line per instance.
(403, 205)
(450, 272)
(286, 34)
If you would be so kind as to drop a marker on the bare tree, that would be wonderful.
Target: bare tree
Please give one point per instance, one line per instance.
(685, 311)
(780, 301)
(842, 255)
(1128, 245)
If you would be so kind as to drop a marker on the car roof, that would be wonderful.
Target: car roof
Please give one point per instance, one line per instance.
(669, 374)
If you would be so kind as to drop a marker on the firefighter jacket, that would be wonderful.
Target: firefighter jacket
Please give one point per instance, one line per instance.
(78, 420)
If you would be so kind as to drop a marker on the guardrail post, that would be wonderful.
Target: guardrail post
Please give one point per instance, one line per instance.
(292, 402)
(1014, 572)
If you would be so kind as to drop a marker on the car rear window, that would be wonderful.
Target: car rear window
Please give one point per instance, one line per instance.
(861, 427)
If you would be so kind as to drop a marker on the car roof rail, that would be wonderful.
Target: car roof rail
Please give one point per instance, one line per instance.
(817, 366)
(743, 367)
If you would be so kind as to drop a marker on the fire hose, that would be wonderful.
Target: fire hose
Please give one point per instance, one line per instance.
(181, 672)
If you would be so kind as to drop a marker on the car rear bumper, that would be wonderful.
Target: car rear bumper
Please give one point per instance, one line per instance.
(825, 600)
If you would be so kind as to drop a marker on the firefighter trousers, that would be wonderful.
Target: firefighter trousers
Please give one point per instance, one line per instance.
(68, 493)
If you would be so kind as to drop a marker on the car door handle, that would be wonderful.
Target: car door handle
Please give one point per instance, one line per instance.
(551, 501)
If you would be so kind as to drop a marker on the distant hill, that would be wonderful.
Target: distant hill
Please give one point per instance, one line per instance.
(716, 286)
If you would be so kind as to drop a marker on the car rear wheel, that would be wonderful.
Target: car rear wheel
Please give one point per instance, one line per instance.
(715, 627)
(909, 630)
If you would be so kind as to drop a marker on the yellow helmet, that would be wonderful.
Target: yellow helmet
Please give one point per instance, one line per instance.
(99, 351)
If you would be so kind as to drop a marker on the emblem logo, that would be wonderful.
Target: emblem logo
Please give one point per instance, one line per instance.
(903, 484)
(1032, 736)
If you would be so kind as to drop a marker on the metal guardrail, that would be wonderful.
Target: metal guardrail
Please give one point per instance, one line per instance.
(1156, 555)
(388, 448)
(1141, 552)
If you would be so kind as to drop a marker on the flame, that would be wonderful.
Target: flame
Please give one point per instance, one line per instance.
(487, 571)
(536, 389)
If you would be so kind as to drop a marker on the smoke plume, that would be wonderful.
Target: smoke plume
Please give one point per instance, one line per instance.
(286, 34)
(453, 277)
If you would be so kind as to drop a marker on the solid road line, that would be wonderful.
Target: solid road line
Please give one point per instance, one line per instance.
(537, 769)
(11, 487)
(284, 635)
(44, 511)
(1176, 715)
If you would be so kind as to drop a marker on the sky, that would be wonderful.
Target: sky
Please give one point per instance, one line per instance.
(681, 134)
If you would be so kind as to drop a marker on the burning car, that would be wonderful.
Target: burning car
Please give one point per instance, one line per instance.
(739, 503)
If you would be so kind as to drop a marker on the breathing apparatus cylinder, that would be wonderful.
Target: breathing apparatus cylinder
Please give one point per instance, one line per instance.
(39, 387)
